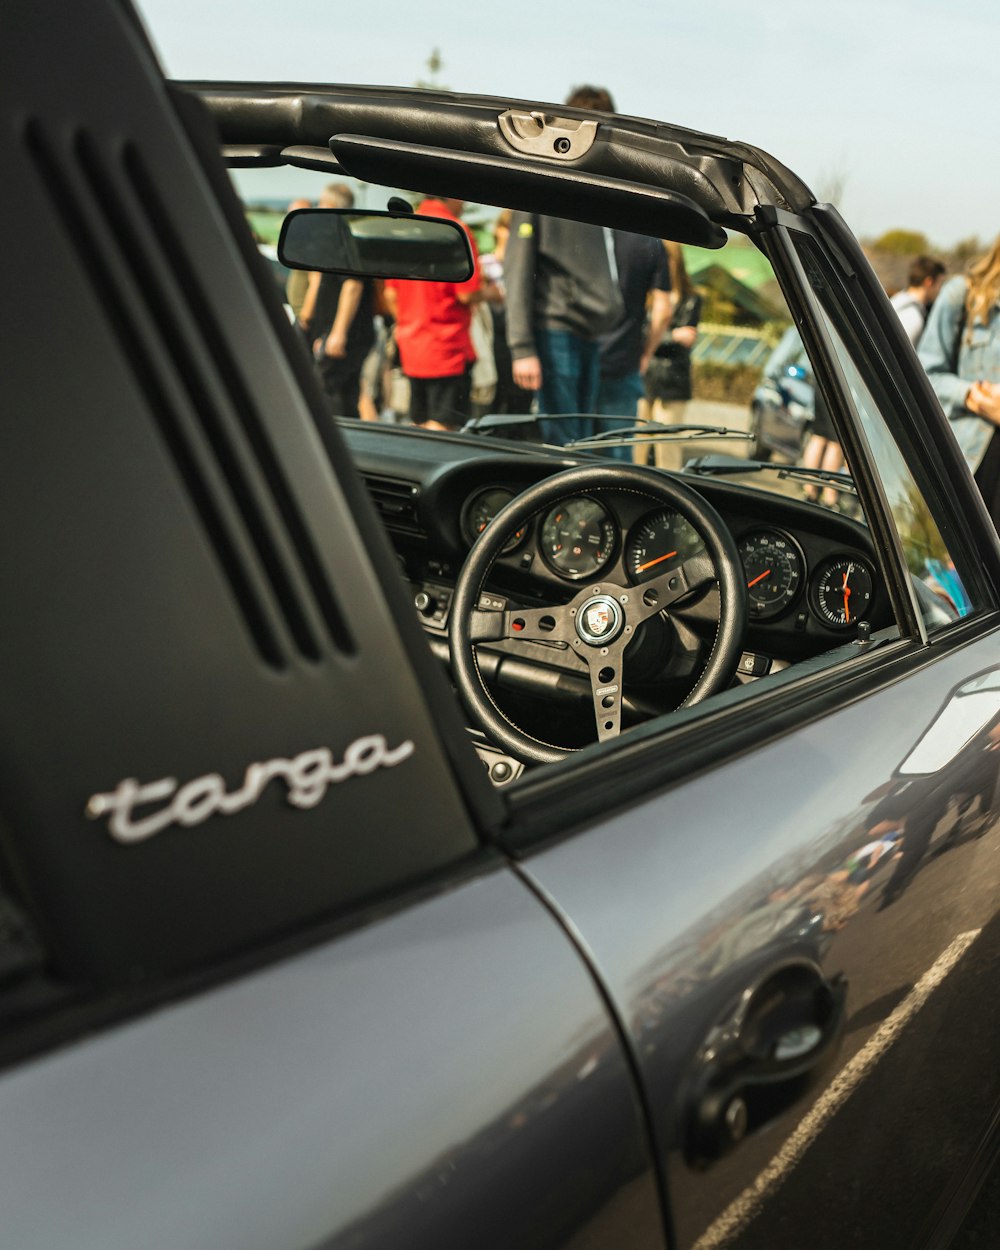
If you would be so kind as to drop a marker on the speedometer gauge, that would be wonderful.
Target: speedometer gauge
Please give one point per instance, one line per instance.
(661, 541)
(578, 538)
(774, 568)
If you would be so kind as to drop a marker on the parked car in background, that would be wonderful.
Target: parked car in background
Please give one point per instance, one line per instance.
(422, 839)
(782, 406)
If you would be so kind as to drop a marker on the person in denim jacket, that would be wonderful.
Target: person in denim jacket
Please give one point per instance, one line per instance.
(960, 349)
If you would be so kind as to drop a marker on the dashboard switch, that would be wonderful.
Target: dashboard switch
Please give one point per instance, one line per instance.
(752, 665)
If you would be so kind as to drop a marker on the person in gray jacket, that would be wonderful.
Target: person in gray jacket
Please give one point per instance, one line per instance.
(562, 295)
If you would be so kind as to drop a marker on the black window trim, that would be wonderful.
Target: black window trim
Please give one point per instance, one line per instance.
(790, 270)
(556, 803)
(936, 475)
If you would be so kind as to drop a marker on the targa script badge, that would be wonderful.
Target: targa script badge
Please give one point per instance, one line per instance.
(306, 778)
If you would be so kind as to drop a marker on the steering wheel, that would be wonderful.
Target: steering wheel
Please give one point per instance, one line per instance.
(600, 621)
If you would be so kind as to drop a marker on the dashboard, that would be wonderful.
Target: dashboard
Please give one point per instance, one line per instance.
(810, 573)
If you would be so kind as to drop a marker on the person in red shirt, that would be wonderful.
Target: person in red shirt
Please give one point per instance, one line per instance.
(432, 335)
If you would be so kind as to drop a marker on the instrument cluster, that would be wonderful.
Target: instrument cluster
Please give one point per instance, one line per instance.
(581, 537)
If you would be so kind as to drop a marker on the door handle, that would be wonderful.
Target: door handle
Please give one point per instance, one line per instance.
(762, 1056)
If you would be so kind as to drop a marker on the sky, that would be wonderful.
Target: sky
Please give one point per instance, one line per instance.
(886, 106)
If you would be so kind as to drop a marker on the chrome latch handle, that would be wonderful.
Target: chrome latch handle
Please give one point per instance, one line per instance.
(541, 134)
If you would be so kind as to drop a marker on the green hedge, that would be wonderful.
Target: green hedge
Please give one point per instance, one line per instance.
(734, 384)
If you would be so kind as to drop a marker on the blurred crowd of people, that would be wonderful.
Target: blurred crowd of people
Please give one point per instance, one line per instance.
(559, 321)
(954, 325)
(584, 330)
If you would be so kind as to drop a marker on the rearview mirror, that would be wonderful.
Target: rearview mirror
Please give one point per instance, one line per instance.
(375, 245)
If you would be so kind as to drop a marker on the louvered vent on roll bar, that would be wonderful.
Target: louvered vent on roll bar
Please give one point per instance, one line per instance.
(115, 219)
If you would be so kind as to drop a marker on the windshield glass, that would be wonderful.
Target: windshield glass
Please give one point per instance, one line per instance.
(569, 335)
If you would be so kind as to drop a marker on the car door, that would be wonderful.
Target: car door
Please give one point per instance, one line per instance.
(797, 921)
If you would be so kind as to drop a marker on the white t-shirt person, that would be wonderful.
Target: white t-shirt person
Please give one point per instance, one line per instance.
(912, 312)
(913, 302)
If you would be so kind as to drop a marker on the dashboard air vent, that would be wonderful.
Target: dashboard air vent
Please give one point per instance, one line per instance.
(396, 502)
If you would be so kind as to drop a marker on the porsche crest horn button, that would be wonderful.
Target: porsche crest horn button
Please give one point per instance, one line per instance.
(600, 620)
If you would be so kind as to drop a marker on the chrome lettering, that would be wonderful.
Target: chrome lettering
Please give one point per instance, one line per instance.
(306, 777)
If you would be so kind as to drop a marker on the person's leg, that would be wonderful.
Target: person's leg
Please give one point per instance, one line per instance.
(342, 384)
(456, 400)
(813, 452)
(666, 454)
(618, 395)
(642, 453)
(369, 396)
(812, 456)
(589, 377)
(559, 354)
(832, 462)
(449, 401)
(419, 410)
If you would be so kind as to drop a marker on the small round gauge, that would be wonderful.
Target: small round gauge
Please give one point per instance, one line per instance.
(774, 568)
(659, 542)
(480, 510)
(578, 538)
(842, 590)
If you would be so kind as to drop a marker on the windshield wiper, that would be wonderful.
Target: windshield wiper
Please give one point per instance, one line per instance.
(721, 465)
(648, 432)
(631, 435)
(497, 421)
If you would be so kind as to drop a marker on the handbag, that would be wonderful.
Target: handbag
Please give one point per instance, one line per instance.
(668, 374)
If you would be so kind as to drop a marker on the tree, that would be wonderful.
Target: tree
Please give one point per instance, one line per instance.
(902, 243)
(964, 251)
(832, 184)
(434, 65)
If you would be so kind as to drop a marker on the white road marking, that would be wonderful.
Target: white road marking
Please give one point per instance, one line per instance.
(743, 1209)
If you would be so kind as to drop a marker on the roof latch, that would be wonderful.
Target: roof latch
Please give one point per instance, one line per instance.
(540, 134)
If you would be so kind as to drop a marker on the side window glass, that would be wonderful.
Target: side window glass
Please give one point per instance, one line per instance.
(940, 592)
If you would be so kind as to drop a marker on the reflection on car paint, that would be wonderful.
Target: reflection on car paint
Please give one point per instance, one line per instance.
(835, 878)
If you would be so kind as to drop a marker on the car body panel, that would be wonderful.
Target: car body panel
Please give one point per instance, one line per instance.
(227, 1120)
(758, 882)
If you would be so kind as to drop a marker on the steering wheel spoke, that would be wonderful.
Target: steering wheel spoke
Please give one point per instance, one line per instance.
(696, 573)
(540, 624)
(606, 669)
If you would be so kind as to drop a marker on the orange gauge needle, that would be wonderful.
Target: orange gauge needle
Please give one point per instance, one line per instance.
(659, 560)
(847, 595)
(759, 578)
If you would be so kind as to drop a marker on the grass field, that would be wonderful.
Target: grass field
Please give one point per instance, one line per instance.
(265, 225)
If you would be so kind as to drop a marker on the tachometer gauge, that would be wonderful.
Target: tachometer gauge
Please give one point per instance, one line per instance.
(659, 542)
(578, 538)
(774, 567)
(480, 510)
(842, 591)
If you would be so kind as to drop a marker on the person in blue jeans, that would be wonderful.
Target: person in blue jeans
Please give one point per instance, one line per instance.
(625, 351)
(562, 295)
(960, 349)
